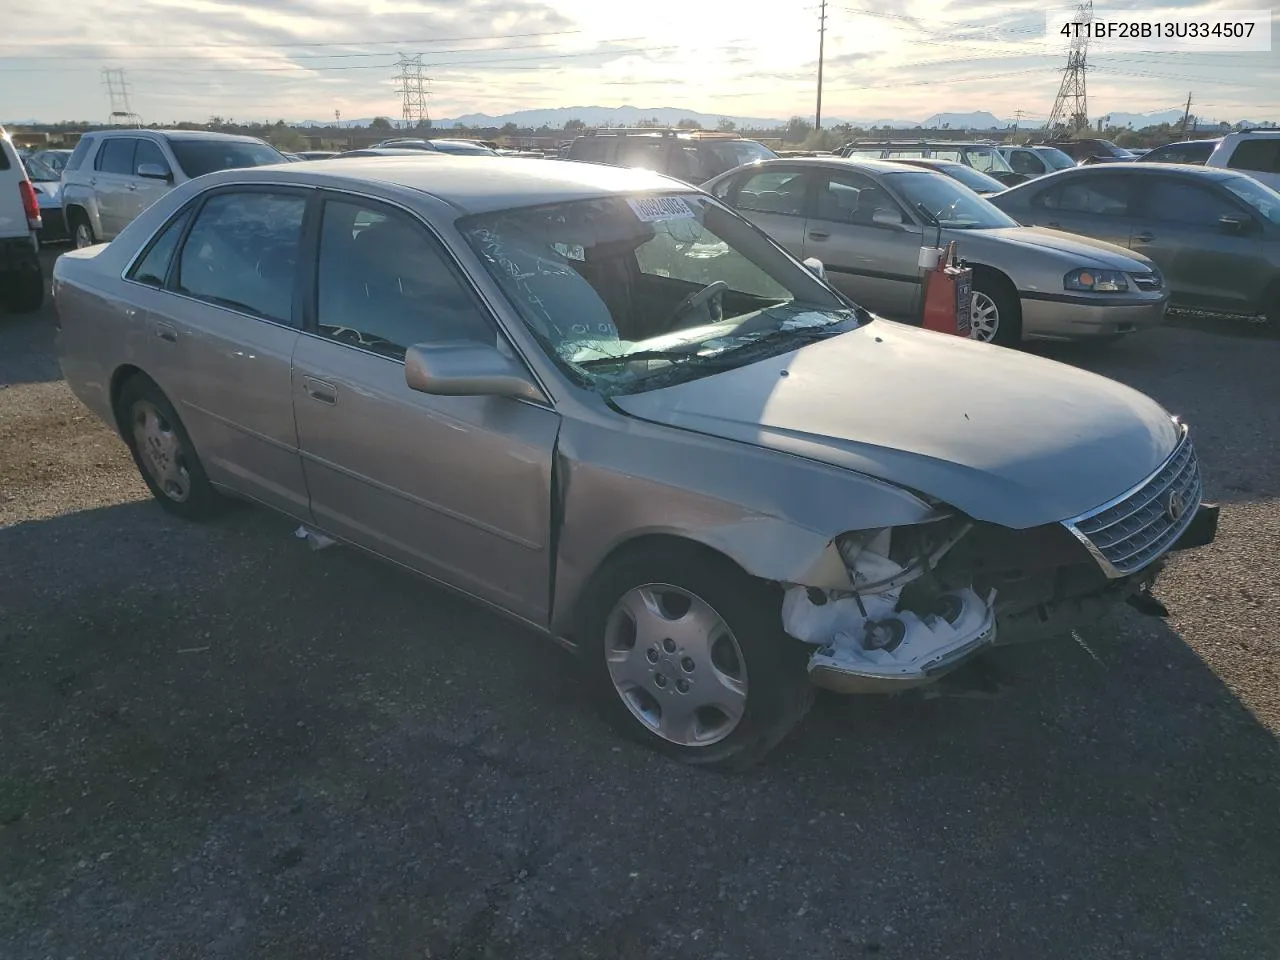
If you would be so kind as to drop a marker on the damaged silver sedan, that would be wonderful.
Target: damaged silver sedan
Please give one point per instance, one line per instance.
(602, 403)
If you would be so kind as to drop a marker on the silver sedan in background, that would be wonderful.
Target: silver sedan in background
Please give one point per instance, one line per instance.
(867, 219)
(600, 402)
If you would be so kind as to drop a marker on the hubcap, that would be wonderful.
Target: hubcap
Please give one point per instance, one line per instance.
(161, 451)
(986, 318)
(84, 236)
(676, 665)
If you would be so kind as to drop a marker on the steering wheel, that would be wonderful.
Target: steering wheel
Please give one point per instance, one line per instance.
(712, 290)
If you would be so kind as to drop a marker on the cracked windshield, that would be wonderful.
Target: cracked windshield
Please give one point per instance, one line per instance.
(634, 292)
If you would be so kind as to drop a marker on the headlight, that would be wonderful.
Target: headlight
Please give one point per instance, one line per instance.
(1096, 281)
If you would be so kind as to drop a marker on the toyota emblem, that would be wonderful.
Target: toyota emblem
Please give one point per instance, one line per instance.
(1175, 507)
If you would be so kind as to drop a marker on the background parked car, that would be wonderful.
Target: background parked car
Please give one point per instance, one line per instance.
(113, 175)
(983, 157)
(48, 187)
(384, 152)
(1215, 234)
(21, 277)
(54, 158)
(691, 156)
(1036, 160)
(866, 221)
(1089, 151)
(1184, 151)
(459, 147)
(317, 154)
(975, 180)
(1255, 152)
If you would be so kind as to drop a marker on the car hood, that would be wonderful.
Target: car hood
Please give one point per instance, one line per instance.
(1006, 437)
(1082, 251)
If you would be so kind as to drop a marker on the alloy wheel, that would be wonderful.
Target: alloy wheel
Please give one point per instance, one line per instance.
(676, 665)
(83, 235)
(985, 322)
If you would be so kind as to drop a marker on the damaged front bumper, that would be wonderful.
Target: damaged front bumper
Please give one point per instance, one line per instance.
(909, 616)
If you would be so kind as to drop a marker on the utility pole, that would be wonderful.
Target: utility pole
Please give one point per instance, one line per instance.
(1017, 119)
(1186, 115)
(1071, 106)
(822, 40)
(413, 94)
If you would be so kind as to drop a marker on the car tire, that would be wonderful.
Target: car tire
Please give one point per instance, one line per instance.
(997, 312)
(163, 452)
(27, 292)
(686, 654)
(82, 234)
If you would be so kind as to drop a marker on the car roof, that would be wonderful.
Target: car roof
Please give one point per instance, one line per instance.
(174, 134)
(925, 162)
(501, 183)
(860, 163)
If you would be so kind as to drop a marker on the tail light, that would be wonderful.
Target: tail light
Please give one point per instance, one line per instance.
(30, 205)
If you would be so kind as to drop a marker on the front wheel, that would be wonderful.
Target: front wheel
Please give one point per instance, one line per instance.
(997, 314)
(688, 655)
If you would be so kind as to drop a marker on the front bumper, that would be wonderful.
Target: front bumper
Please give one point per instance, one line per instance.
(1066, 317)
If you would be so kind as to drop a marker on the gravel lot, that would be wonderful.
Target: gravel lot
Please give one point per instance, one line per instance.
(215, 742)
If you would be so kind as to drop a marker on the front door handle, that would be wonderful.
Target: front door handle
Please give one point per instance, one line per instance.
(1144, 237)
(166, 332)
(320, 390)
(819, 235)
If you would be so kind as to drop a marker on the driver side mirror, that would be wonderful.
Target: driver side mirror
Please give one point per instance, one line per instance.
(467, 370)
(153, 171)
(816, 267)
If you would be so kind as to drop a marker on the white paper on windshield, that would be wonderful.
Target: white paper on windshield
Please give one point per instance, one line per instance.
(803, 320)
(653, 209)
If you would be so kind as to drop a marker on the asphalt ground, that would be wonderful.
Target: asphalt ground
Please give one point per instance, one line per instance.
(216, 742)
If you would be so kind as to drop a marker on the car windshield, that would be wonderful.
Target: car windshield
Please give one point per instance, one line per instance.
(953, 204)
(54, 159)
(39, 171)
(629, 293)
(198, 157)
(1257, 195)
(986, 159)
(975, 180)
(1055, 159)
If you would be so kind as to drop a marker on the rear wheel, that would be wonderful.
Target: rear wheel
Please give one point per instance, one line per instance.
(686, 653)
(163, 451)
(81, 229)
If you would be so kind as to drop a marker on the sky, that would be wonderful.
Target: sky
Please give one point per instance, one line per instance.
(305, 59)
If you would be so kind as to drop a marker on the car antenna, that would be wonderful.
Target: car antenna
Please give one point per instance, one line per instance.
(929, 216)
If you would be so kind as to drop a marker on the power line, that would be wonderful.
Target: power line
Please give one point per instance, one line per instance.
(239, 45)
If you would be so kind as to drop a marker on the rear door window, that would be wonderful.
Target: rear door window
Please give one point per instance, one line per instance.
(116, 156)
(1026, 162)
(1260, 156)
(773, 191)
(242, 252)
(1104, 196)
(153, 268)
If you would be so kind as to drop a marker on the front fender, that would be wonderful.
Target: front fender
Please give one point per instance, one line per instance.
(776, 516)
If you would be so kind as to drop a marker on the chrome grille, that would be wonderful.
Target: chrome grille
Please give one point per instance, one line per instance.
(1147, 281)
(1136, 529)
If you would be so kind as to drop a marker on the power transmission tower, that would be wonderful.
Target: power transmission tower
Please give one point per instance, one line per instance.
(1071, 107)
(822, 39)
(413, 92)
(118, 87)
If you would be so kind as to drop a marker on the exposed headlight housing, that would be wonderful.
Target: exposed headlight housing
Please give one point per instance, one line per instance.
(1096, 281)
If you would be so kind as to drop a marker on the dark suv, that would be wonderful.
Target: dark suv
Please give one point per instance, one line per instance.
(692, 156)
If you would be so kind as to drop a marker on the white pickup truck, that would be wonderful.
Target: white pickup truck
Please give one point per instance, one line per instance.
(21, 279)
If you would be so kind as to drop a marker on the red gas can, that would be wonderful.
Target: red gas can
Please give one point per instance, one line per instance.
(948, 295)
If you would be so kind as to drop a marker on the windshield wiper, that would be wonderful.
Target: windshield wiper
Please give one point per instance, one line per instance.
(671, 354)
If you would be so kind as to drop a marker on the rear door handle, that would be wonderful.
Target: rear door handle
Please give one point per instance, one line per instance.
(166, 332)
(1144, 237)
(819, 235)
(320, 390)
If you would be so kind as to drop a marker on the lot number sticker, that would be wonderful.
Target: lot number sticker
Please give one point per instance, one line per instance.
(653, 209)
